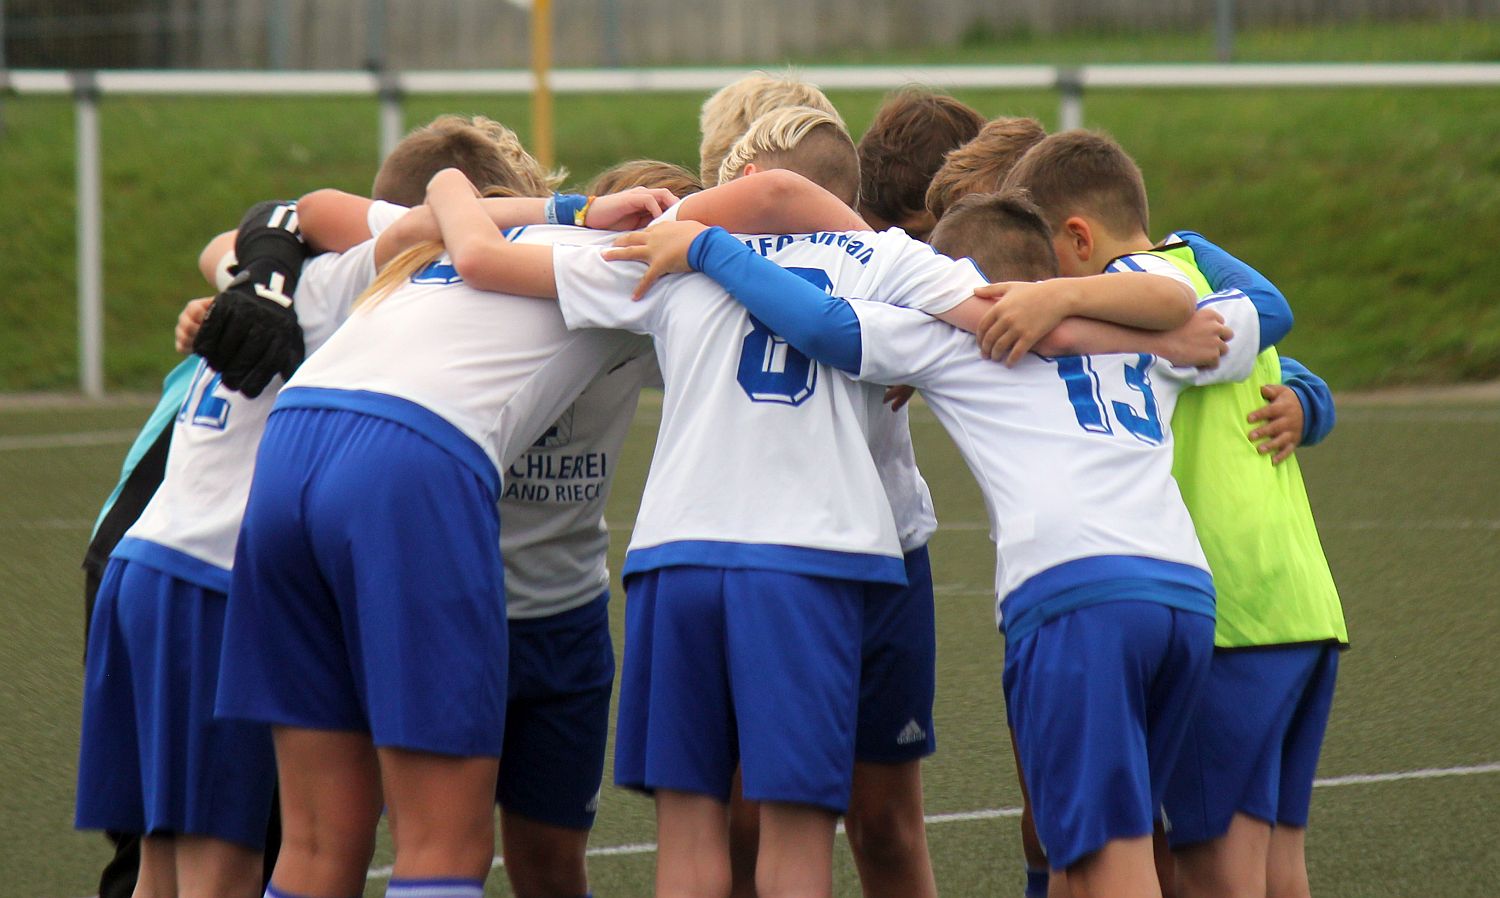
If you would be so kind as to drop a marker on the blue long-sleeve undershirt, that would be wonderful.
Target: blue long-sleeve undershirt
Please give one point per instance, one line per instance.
(820, 326)
(1224, 272)
(1318, 415)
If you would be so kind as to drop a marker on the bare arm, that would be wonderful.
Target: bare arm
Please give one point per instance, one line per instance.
(1198, 344)
(211, 259)
(480, 254)
(771, 202)
(1025, 312)
(333, 221)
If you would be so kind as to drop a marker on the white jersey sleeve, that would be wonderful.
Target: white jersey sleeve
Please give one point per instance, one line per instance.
(382, 215)
(903, 346)
(911, 274)
(1151, 264)
(593, 292)
(1243, 318)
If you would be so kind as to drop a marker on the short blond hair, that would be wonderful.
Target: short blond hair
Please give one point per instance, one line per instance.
(808, 141)
(981, 165)
(487, 152)
(728, 114)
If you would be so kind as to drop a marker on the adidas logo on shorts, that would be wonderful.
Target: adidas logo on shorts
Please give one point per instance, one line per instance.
(593, 806)
(910, 733)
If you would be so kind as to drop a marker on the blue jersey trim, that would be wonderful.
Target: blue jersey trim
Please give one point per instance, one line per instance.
(423, 420)
(810, 562)
(174, 563)
(1104, 578)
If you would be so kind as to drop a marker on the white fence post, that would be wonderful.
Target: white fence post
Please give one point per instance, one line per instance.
(1070, 99)
(90, 237)
(392, 121)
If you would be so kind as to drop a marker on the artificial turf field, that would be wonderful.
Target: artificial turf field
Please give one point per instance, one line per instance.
(1405, 493)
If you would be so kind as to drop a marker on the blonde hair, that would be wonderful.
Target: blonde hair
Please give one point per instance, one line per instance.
(646, 173)
(489, 153)
(728, 114)
(802, 139)
(397, 272)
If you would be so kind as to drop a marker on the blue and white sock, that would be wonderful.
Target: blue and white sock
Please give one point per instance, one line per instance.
(273, 892)
(435, 888)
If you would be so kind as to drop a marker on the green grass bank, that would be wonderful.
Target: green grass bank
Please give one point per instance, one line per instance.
(1375, 210)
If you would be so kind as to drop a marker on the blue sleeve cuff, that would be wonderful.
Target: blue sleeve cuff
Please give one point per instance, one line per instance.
(1225, 272)
(1318, 415)
(819, 325)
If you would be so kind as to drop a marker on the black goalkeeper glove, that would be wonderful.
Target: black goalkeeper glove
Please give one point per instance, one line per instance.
(251, 332)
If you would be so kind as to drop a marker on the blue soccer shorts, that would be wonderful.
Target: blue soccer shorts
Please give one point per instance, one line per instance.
(152, 757)
(1253, 742)
(1099, 699)
(368, 591)
(898, 673)
(759, 668)
(562, 669)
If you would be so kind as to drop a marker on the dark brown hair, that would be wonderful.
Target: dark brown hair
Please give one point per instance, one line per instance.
(980, 166)
(1084, 173)
(905, 145)
(1004, 233)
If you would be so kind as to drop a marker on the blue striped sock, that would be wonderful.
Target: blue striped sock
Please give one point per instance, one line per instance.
(435, 888)
(273, 892)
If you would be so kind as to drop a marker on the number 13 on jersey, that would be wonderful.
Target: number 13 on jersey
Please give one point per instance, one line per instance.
(1086, 393)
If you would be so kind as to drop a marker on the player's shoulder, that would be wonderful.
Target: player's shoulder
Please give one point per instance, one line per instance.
(554, 234)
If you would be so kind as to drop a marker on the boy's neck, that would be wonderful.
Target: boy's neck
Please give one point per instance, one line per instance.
(1107, 247)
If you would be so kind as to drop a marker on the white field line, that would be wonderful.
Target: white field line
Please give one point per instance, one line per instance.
(1356, 779)
(68, 440)
(1363, 524)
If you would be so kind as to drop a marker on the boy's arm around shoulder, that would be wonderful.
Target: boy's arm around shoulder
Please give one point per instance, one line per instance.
(776, 201)
(1226, 272)
(1024, 314)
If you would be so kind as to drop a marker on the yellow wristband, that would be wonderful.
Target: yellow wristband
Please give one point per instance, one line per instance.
(582, 215)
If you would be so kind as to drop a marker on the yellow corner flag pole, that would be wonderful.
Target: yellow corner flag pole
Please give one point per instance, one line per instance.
(541, 97)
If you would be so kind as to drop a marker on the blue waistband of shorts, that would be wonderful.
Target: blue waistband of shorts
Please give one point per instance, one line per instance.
(836, 565)
(421, 419)
(594, 610)
(1104, 578)
(174, 563)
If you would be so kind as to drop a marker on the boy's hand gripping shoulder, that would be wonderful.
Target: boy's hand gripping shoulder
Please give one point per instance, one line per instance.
(251, 332)
(775, 201)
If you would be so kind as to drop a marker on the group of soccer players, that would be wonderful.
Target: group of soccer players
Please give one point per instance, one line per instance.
(373, 577)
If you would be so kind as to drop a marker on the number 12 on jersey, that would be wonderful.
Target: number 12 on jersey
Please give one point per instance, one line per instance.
(207, 410)
(1086, 393)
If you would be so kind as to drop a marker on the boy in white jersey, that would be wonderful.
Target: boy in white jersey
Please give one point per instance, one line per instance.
(1097, 556)
(744, 497)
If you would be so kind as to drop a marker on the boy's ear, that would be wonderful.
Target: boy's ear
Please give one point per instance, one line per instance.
(749, 169)
(1079, 238)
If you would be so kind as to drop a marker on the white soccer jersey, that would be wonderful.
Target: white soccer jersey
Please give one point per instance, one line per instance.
(554, 539)
(497, 367)
(763, 457)
(1073, 454)
(190, 527)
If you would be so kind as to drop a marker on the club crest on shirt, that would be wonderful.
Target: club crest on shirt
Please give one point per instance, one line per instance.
(559, 434)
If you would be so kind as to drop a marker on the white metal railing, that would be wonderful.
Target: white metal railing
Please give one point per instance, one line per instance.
(390, 87)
